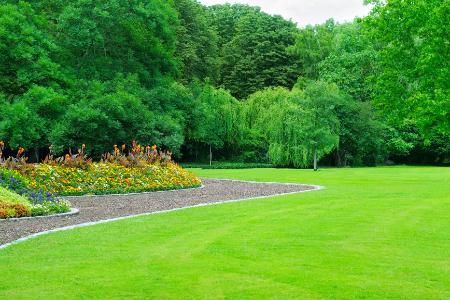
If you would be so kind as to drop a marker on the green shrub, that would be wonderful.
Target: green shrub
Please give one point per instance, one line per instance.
(13, 205)
(12, 180)
(227, 165)
(7, 196)
(14, 210)
(50, 207)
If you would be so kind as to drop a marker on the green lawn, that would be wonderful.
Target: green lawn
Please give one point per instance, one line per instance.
(374, 233)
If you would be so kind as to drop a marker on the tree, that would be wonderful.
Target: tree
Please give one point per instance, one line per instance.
(298, 127)
(312, 45)
(413, 84)
(29, 120)
(167, 73)
(257, 51)
(361, 134)
(20, 127)
(172, 105)
(99, 122)
(102, 38)
(214, 118)
(351, 63)
(25, 52)
(196, 42)
(225, 18)
(321, 125)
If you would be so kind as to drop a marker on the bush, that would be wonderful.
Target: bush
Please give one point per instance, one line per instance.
(50, 207)
(7, 196)
(29, 202)
(13, 210)
(12, 180)
(21, 210)
(228, 165)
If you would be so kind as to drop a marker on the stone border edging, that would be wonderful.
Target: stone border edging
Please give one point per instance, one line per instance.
(315, 188)
(73, 211)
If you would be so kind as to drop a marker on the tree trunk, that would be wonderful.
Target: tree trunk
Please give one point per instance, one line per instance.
(315, 159)
(36, 154)
(210, 155)
(338, 158)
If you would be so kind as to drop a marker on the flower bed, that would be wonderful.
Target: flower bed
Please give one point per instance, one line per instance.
(109, 178)
(136, 170)
(18, 200)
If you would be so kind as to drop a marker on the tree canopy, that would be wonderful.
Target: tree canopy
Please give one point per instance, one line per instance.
(228, 80)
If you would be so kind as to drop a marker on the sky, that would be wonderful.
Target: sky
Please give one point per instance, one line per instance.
(304, 12)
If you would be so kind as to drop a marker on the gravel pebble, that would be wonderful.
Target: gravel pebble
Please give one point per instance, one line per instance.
(96, 208)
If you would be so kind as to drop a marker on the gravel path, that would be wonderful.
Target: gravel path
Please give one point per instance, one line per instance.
(96, 208)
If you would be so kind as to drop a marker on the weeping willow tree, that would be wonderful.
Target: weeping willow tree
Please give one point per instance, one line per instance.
(296, 128)
(215, 118)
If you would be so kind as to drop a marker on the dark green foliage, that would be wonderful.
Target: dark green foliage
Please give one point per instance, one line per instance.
(225, 19)
(103, 121)
(288, 126)
(398, 60)
(25, 51)
(28, 121)
(119, 111)
(228, 165)
(360, 134)
(106, 37)
(196, 42)
(256, 50)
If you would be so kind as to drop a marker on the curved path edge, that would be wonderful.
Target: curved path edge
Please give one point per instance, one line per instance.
(132, 194)
(73, 211)
(65, 228)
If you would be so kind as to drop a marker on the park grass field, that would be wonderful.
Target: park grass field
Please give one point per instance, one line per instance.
(373, 233)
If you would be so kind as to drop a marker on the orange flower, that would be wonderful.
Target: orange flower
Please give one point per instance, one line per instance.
(21, 151)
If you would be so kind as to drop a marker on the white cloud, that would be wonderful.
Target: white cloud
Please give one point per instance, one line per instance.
(305, 12)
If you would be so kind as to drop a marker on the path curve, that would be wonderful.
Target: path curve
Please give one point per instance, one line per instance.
(100, 209)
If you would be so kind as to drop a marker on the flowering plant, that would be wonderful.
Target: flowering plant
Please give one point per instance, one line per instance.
(125, 170)
(138, 156)
(110, 178)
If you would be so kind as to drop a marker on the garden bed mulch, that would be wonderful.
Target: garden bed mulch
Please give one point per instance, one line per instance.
(97, 208)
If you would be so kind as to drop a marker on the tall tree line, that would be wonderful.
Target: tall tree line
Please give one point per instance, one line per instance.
(227, 81)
